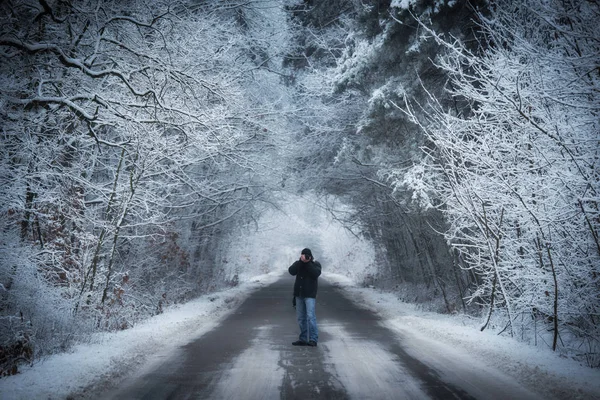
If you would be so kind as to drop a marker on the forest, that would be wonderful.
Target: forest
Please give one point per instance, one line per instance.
(141, 139)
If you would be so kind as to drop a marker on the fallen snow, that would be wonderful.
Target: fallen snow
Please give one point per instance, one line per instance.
(367, 369)
(439, 340)
(89, 367)
(258, 383)
(442, 340)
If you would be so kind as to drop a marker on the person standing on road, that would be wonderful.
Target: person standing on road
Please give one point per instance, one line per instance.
(307, 271)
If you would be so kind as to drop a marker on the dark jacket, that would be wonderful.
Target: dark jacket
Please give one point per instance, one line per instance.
(307, 276)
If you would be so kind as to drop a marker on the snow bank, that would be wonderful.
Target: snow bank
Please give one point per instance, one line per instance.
(112, 356)
(439, 340)
(457, 338)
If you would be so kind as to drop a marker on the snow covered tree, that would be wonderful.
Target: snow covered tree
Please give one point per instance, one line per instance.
(352, 59)
(516, 172)
(127, 127)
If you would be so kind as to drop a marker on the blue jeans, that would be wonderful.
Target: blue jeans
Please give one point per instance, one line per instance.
(307, 320)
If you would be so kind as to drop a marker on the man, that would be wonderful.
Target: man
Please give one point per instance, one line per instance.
(307, 271)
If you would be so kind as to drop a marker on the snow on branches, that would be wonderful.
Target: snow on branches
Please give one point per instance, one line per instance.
(516, 172)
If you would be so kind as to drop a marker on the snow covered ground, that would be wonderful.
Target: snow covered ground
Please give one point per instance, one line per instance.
(88, 368)
(438, 340)
(442, 341)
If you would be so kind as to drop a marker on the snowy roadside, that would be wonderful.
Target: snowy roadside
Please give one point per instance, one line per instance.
(90, 368)
(440, 340)
(443, 341)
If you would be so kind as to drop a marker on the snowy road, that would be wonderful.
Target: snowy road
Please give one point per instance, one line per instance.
(250, 356)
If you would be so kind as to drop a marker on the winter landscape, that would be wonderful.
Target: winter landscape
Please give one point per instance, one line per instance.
(162, 163)
(89, 369)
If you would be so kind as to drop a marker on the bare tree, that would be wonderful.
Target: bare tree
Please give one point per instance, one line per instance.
(124, 128)
(516, 173)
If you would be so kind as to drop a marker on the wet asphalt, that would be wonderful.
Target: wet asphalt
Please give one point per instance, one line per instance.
(249, 355)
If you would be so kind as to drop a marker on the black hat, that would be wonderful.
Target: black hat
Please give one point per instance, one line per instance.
(306, 252)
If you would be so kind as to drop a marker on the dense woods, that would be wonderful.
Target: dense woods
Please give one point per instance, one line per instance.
(138, 138)
(132, 135)
(466, 137)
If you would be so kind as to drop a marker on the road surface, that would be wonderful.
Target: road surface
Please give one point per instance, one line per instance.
(250, 356)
